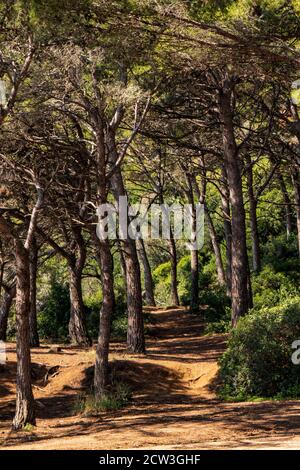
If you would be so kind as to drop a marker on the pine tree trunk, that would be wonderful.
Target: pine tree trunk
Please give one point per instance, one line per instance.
(122, 261)
(135, 332)
(211, 229)
(102, 351)
(25, 409)
(227, 232)
(148, 281)
(33, 257)
(256, 261)
(194, 300)
(239, 288)
(216, 248)
(5, 305)
(194, 303)
(105, 260)
(77, 325)
(173, 259)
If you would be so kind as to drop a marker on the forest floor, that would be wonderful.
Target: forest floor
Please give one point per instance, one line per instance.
(173, 405)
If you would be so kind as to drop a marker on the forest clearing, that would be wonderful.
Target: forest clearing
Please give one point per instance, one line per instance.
(173, 404)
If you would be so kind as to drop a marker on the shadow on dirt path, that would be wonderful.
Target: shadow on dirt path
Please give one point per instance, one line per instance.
(173, 404)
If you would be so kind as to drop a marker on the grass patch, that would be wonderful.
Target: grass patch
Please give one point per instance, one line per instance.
(114, 399)
(28, 427)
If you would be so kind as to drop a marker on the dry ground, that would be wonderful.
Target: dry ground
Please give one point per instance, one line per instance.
(173, 404)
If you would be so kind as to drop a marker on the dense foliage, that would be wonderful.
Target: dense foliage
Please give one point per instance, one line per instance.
(258, 361)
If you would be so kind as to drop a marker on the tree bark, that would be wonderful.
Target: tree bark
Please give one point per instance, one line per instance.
(122, 261)
(104, 257)
(239, 289)
(135, 331)
(77, 325)
(194, 301)
(102, 350)
(5, 306)
(148, 281)
(173, 259)
(216, 248)
(227, 231)
(25, 409)
(33, 259)
(211, 229)
(256, 260)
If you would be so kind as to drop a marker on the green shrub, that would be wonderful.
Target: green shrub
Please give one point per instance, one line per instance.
(271, 288)
(221, 326)
(162, 279)
(217, 304)
(282, 254)
(119, 326)
(258, 359)
(53, 316)
(92, 304)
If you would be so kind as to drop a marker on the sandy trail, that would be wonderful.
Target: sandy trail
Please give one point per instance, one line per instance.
(173, 404)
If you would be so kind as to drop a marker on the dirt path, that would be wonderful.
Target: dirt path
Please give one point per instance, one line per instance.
(173, 405)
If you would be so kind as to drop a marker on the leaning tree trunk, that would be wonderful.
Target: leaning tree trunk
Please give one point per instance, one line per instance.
(33, 257)
(148, 281)
(25, 409)
(102, 350)
(239, 289)
(211, 229)
(5, 306)
(256, 261)
(216, 248)
(296, 184)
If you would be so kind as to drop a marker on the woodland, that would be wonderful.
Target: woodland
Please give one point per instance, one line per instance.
(184, 101)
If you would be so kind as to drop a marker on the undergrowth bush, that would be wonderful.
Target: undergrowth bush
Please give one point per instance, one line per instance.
(282, 254)
(53, 316)
(258, 358)
(271, 288)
